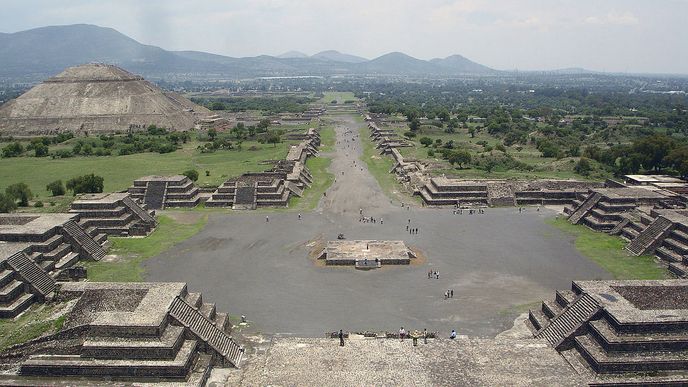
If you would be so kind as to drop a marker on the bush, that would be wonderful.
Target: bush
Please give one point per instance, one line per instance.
(583, 167)
(431, 153)
(85, 184)
(192, 174)
(410, 134)
(62, 154)
(13, 150)
(207, 173)
(40, 150)
(7, 204)
(426, 141)
(38, 204)
(56, 188)
(20, 192)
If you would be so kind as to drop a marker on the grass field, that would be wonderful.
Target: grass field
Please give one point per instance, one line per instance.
(131, 252)
(608, 252)
(119, 172)
(339, 96)
(40, 319)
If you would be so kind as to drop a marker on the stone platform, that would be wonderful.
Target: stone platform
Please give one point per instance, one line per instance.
(620, 331)
(127, 332)
(366, 254)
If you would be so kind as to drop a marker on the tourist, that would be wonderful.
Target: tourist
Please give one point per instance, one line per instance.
(341, 338)
(381, 221)
(407, 227)
(451, 293)
(299, 216)
(429, 274)
(425, 336)
(402, 333)
(267, 219)
(437, 274)
(452, 335)
(446, 294)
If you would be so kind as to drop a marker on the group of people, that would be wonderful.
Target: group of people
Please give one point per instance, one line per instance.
(434, 274)
(471, 211)
(449, 294)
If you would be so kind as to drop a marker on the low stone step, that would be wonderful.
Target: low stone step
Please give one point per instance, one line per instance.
(611, 340)
(222, 321)
(565, 297)
(194, 299)
(538, 319)
(551, 308)
(668, 255)
(17, 306)
(75, 365)
(615, 362)
(208, 310)
(162, 347)
(67, 261)
(10, 291)
(6, 276)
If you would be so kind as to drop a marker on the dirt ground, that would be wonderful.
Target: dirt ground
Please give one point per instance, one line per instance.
(497, 263)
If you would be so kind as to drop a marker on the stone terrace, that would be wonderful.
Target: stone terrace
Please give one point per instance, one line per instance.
(391, 362)
(113, 214)
(34, 251)
(160, 192)
(622, 331)
(148, 332)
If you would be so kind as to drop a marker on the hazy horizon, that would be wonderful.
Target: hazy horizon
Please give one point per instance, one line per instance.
(611, 35)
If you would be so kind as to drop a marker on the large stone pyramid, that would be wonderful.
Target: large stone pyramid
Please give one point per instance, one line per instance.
(96, 98)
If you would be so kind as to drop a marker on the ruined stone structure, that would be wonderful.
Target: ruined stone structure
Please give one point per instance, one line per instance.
(366, 254)
(623, 331)
(113, 214)
(440, 191)
(274, 187)
(37, 249)
(120, 332)
(96, 98)
(160, 192)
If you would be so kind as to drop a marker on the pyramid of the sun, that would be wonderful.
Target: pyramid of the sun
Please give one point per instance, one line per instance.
(96, 98)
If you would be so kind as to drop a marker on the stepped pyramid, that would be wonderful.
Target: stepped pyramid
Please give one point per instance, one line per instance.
(96, 98)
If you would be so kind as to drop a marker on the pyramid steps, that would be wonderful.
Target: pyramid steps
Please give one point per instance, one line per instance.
(569, 321)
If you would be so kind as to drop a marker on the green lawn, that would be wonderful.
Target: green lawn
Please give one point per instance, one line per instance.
(119, 172)
(39, 320)
(322, 180)
(132, 252)
(339, 96)
(608, 252)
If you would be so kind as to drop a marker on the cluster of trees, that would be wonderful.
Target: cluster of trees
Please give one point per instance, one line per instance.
(234, 138)
(19, 194)
(656, 154)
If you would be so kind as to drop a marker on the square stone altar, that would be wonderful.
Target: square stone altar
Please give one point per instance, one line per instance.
(366, 254)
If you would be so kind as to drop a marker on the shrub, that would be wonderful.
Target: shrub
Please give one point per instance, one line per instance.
(583, 167)
(13, 150)
(20, 192)
(6, 203)
(40, 150)
(85, 184)
(56, 188)
(192, 174)
(38, 204)
(62, 154)
(426, 141)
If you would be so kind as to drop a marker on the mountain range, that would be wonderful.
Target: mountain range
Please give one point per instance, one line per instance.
(42, 52)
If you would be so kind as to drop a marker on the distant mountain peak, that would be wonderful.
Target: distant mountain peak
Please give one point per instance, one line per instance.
(336, 56)
(292, 54)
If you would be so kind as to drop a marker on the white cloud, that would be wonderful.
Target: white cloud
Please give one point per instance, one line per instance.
(613, 18)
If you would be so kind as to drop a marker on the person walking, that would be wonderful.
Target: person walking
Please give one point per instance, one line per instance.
(341, 338)
(402, 333)
(299, 216)
(425, 336)
(452, 335)
(267, 219)
(451, 293)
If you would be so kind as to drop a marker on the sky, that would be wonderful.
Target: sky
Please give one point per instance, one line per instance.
(648, 36)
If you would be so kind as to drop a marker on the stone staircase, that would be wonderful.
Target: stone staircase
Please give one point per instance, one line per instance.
(207, 331)
(245, 198)
(138, 210)
(32, 274)
(85, 241)
(584, 208)
(647, 240)
(564, 325)
(155, 194)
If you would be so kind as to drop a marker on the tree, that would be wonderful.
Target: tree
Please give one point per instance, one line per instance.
(459, 157)
(414, 125)
(6, 203)
(263, 125)
(56, 188)
(212, 133)
(85, 184)
(192, 174)
(274, 138)
(20, 192)
(471, 131)
(678, 159)
(426, 141)
(40, 150)
(13, 150)
(583, 167)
